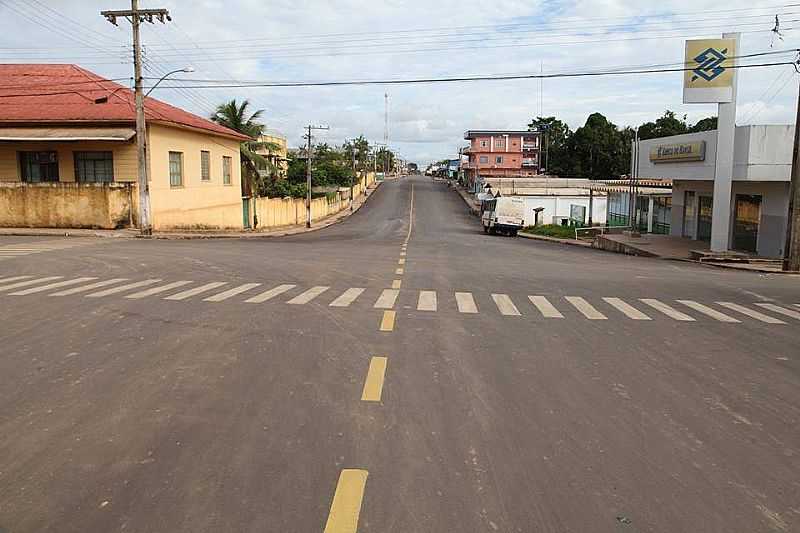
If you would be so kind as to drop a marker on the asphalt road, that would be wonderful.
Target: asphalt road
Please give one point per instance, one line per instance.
(591, 407)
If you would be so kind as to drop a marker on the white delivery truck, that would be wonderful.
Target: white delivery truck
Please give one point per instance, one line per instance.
(503, 215)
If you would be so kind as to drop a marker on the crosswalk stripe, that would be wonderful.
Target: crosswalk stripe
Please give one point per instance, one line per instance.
(713, 313)
(466, 303)
(585, 308)
(386, 299)
(347, 297)
(157, 290)
(49, 286)
(310, 294)
(26, 283)
(13, 278)
(89, 287)
(224, 295)
(781, 310)
(270, 294)
(626, 309)
(666, 309)
(545, 307)
(426, 301)
(123, 288)
(751, 313)
(505, 305)
(194, 292)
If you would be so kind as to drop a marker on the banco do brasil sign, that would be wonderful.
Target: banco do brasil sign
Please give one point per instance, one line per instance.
(678, 152)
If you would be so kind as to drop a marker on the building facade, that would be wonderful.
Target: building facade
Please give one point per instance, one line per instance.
(494, 153)
(760, 185)
(278, 156)
(68, 147)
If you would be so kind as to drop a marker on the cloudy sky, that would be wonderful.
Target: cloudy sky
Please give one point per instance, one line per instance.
(304, 40)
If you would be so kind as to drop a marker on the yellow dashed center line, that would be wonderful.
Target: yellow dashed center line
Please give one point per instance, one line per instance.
(373, 385)
(397, 283)
(401, 261)
(346, 505)
(399, 271)
(387, 322)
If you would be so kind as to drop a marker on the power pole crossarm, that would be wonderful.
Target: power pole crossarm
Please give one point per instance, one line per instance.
(136, 16)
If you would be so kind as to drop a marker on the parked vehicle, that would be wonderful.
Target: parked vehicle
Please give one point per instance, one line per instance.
(503, 215)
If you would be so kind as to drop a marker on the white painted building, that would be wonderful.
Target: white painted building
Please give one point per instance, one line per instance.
(759, 197)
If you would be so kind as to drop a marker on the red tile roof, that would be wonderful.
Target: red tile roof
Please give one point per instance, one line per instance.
(50, 93)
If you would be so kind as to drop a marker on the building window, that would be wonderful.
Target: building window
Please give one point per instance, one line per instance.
(483, 144)
(484, 159)
(36, 167)
(226, 170)
(498, 159)
(498, 143)
(205, 165)
(176, 169)
(94, 167)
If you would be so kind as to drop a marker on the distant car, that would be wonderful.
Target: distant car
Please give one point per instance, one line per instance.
(503, 215)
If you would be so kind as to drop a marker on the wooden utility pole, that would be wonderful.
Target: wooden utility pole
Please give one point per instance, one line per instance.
(136, 16)
(308, 172)
(791, 252)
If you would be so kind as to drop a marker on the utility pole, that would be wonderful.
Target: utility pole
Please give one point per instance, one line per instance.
(385, 133)
(791, 251)
(308, 172)
(136, 16)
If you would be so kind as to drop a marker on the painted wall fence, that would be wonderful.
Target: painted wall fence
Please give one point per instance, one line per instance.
(278, 212)
(68, 205)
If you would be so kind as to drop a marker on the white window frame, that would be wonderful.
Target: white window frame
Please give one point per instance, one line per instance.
(205, 165)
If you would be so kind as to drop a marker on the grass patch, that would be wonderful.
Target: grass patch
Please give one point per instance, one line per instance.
(552, 230)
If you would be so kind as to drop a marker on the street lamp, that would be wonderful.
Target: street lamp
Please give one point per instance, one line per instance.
(165, 76)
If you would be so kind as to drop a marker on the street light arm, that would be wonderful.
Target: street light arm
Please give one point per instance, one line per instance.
(165, 76)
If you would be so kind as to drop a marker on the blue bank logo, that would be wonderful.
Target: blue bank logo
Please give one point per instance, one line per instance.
(709, 64)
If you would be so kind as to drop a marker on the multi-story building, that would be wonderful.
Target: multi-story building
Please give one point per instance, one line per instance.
(278, 156)
(494, 153)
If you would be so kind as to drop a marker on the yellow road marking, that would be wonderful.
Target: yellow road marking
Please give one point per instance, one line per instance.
(396, 283)
(401, 261)
(399, 271)
(373, 385)
(387, 322)
(346, 505)
(402, 254)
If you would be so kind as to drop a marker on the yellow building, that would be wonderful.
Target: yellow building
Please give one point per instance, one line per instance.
(278, 158)
(68, 156)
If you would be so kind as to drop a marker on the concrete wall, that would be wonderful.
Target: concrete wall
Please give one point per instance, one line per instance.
(196, 204)
(774, 206)
(124, 158)
(559, 206)
(278, 212)
(67, 205)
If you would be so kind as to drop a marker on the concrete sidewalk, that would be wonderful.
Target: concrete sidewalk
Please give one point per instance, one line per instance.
(132, 233)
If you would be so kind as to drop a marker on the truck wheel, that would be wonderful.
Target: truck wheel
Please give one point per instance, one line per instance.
(486, 229)
(513, 233)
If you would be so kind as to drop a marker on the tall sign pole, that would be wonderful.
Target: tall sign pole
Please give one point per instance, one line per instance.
(136, 16)
(791, 251)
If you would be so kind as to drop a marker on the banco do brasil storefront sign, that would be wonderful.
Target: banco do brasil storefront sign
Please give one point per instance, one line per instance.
(678, 152)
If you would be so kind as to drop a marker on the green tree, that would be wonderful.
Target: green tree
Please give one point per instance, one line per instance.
(664, 126)
(555, 139)
(597, 149)
(237, 117)
(705, 124)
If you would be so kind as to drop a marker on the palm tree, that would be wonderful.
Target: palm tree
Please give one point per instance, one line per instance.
(235, 116)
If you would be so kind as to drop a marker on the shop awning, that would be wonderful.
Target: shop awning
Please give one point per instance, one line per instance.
(67, 134)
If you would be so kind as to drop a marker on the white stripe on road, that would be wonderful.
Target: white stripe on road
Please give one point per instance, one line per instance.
(626, 309)
(18, 284)
(751, 313)
(780, 310)
(89, 287)
(466, 303)
(157, 290)
(270, 294)
(197, 290)
(666, 309)
(386, 299)
(310, 294)
(51, 286)
(585, 308)
(545, 307)
(13, 278)
(231, 292)
(713, 313)
(426, 301)
(347, 297)
(505, 305)
(123, 288)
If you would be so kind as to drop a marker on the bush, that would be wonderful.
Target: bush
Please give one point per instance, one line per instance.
(552, 230)
(281, 189)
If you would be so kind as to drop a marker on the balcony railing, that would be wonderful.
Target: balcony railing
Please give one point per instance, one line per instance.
(530, 146)
(529, 163)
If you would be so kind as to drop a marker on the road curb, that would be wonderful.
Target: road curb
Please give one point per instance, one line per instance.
(554, 240)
